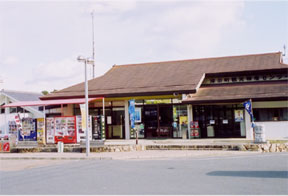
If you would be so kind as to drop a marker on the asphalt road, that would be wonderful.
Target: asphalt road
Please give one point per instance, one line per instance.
(242, 175)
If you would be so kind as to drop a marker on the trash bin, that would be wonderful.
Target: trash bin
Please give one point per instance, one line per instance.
(260, 134)
(60, 147)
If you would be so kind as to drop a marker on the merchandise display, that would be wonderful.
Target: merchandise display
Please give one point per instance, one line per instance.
(28, 131)
(65, 129)
(50, 126)
(81, 134)
(41, 131)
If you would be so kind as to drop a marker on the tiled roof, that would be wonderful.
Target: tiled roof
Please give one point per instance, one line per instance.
(182, 76)
(239, 92)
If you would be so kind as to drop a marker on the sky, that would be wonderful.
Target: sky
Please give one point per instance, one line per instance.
(41, 40)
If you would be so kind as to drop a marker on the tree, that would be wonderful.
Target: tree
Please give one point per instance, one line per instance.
(45, 92)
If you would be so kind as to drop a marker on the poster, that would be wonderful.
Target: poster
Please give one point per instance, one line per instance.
(238, 115)
(137, 115)
(183, 120)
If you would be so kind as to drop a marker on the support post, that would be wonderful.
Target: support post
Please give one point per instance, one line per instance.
(87, 112)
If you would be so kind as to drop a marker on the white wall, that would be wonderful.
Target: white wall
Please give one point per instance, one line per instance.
(275, 129)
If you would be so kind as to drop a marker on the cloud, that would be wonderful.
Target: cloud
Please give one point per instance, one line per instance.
(10, 60)
(156, 31)
(109, 7)
(125, 32)
(63, 73)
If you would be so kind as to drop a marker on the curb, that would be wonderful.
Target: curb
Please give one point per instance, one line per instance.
(56, 158)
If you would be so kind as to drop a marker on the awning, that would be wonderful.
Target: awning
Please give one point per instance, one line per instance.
(49, 102)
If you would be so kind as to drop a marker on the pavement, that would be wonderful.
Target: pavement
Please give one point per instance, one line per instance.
(23, 161)
(147, 154)
(205, 141)
(234, 174)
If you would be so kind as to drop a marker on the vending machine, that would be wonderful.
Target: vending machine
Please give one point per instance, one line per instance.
(29, 130)
(65, 129)
(98, 127)
(81, 134)
(12, 128)
(40, 131)
(50, 130)
(195, 130)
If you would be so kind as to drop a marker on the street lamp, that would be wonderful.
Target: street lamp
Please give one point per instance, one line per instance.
(89, 61)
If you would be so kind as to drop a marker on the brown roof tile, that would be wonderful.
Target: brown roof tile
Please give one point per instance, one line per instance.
(167, 77)
(239, 92)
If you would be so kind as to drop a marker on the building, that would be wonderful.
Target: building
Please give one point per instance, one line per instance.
(211, 91)
(7, 115)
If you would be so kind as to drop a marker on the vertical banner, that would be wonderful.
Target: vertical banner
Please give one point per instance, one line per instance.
(132, 112)
(83, 116)
(248, 107)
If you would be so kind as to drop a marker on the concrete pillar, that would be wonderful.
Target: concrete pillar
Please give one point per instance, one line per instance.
(190, 118)
(127, 123)
(248, 126)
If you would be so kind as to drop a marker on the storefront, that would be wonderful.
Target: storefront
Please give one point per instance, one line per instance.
(220, 121)
(197, 98)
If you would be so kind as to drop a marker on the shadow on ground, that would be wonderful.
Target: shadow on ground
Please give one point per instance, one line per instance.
(250, 174)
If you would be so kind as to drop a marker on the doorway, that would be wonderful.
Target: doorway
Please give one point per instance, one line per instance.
(158, 121)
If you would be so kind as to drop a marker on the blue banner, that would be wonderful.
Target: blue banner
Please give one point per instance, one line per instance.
(248, 107)
(131, 110)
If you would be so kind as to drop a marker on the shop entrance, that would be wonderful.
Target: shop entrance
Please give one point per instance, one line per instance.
(116, 124)
(220, 121)
(158, 121)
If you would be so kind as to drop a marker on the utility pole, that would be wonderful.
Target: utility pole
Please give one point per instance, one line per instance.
(93, 46)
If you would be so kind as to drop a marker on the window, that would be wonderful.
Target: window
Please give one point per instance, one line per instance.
(270, 114)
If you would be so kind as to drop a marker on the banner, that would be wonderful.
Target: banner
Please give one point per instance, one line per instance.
(248, 107)
(132, 112)
(83, 116)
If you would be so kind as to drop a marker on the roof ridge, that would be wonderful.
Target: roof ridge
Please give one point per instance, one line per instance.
(197, 59)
